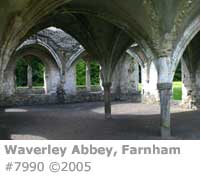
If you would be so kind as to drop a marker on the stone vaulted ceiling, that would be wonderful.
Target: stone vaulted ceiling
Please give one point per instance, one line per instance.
(154, 23)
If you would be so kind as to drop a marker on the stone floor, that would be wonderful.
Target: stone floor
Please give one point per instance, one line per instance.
(131, 121)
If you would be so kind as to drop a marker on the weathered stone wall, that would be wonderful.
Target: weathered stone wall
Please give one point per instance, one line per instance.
(59, 46)
(51, 80)
(70, 81)
(126, 77)
(24, 91)
(51, 75)
(149, 84)
(190, 87)
(191, 74)
(59, 43)
(60, 82)
(9, 85)
(42, 99)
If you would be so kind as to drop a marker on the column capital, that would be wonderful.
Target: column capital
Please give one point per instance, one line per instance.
(164, 86)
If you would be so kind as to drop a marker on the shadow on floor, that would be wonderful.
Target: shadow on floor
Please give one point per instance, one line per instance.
(80, 122)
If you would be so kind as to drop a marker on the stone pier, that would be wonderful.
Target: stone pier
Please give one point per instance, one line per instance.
(165, 92)
(107, 100)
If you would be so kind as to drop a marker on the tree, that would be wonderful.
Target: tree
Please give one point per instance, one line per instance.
(81, 73)
(37, 71)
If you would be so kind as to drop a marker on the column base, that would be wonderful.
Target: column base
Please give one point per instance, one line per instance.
(108, 116)
(165, 132)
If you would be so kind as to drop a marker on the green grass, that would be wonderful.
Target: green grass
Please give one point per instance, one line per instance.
(177, 90)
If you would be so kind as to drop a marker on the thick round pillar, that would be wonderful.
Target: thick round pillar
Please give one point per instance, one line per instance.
(107, 99)
(165, 92)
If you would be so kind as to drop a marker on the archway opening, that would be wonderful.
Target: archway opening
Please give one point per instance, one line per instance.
(87, 75)
(191, 74)
(177, 84)
(29, 73)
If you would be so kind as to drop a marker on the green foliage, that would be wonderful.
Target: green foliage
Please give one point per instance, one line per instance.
(94, 73)
(21, 72)
(81, 73)
(37, 71)
(177, 90)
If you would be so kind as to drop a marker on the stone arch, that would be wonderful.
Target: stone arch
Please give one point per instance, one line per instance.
(125, 78)
(149, 91)
(70, 74)
(75, 57)
(135, 56)
(185, 39)
(82, 52)
(71, 69)
(50, 49)
(145, 60)
(52, 71)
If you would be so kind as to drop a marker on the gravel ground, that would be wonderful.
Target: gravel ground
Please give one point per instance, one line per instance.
(85, 121)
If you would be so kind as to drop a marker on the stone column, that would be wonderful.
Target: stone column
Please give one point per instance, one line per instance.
(107, 100)
(165, 92)
(88, 76)
(29, 76)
